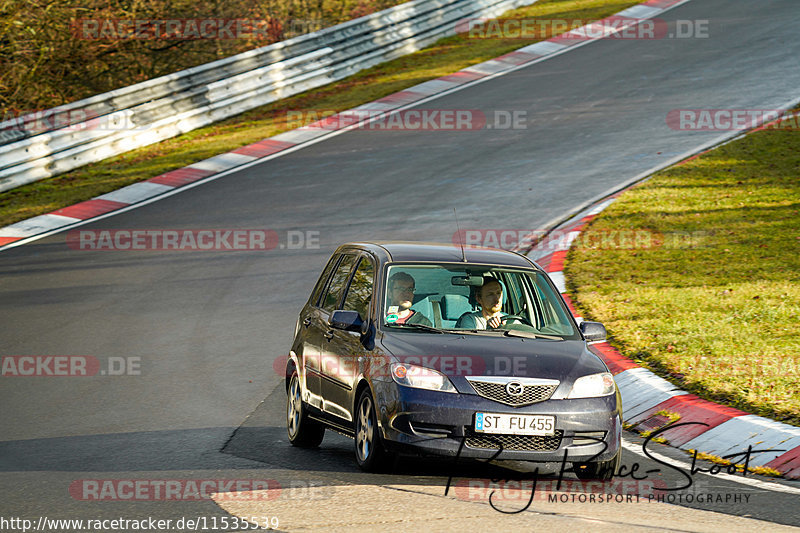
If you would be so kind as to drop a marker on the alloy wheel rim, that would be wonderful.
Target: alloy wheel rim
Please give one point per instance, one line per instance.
(365, 430)
(293, 407)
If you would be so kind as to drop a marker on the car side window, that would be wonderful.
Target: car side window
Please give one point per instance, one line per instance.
(513, 292)
(336, 286)
(359, 293)
(316, 296)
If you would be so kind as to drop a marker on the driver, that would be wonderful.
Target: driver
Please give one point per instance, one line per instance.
(490, 298)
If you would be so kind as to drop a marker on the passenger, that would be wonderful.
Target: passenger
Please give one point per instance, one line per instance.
(401, 293)
(490, 298)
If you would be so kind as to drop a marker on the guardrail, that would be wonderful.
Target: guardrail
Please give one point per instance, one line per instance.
(112, 123)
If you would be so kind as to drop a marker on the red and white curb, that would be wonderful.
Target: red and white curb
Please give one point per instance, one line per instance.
(727, 430)
(168, 183)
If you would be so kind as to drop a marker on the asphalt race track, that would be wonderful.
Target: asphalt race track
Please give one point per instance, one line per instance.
(204, 328)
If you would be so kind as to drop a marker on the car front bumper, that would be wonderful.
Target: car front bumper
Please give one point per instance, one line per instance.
(440, 423)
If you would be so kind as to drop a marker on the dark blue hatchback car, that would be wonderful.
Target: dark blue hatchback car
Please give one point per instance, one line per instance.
(433, 349)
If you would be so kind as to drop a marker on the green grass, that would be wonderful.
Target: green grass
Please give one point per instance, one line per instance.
(713, 305)
(446, 56)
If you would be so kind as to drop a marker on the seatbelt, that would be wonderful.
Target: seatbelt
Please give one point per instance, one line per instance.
(437, 313)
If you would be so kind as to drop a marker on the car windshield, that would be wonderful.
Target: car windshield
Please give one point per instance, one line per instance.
(476, 298)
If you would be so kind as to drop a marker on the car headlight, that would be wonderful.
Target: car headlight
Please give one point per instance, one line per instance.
(420, 377)
(593, 386)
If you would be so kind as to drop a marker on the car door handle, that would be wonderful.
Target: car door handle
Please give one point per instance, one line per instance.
(328, 334)
(307, 321)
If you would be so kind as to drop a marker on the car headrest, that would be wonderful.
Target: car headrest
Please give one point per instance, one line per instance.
(454, 305)
(424, 306)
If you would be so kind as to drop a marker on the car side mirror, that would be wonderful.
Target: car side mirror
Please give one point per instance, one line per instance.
(593, 331)
(346, 320)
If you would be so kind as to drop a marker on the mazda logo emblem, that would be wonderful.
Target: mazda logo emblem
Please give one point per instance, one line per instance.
(514, 388)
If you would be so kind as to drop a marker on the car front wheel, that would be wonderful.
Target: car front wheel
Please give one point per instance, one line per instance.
(303, 432)
(370, 454)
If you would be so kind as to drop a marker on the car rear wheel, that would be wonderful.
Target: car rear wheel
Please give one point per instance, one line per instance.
(303, 432)
(370, 454)
(601, 470)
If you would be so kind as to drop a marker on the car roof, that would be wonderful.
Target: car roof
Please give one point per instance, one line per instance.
(401, 251)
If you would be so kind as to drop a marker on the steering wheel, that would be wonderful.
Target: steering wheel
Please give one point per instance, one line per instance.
(516, 317)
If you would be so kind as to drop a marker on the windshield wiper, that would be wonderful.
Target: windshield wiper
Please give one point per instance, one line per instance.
(481, 332)
(530, 335)
(505, 332)
(418, 326)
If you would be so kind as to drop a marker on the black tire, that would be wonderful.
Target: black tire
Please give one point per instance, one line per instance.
(370, 453)
(600, 470)
(302, 431)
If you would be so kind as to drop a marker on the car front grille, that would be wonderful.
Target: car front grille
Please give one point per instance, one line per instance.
(515, 442)
(531, 392)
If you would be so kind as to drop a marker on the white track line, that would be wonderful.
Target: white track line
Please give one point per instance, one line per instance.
(738, 478)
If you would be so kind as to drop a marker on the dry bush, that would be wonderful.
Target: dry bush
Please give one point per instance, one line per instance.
(45, 59)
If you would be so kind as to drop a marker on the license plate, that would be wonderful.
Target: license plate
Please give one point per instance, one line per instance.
(508, 424)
